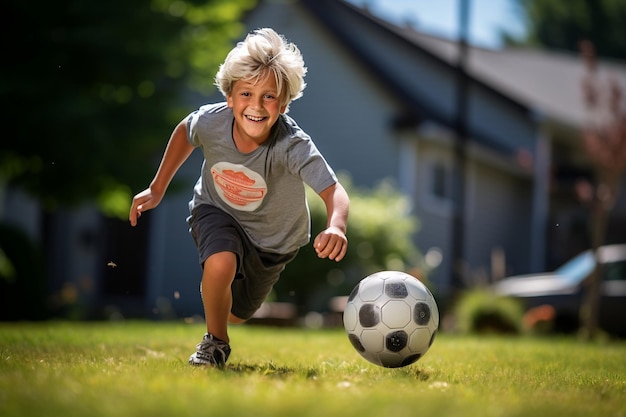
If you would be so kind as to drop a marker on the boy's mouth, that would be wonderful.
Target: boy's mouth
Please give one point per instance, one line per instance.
(255, 118)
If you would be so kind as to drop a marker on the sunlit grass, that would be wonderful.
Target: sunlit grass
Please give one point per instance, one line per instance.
(140, 368)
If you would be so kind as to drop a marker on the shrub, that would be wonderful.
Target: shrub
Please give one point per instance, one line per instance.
(22, 276)
(380, 232)
(481, 311)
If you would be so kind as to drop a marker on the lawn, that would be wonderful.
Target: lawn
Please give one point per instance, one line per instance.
(140, 369)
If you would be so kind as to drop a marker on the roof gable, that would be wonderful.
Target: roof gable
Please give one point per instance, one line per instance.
(423, 80)
(548, 83)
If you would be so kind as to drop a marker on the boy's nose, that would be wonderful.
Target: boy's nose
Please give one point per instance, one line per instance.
(258, 103)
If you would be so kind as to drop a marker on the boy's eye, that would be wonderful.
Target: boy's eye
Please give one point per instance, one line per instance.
(269, 97)
(245, 94)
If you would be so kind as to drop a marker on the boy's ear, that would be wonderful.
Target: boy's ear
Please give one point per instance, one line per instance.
(283, 108)
(229, 101)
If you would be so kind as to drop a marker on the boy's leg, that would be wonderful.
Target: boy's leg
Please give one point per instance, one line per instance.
(217, 278)
(217, 299)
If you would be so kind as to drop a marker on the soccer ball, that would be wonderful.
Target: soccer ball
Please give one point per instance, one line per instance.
(391, 319)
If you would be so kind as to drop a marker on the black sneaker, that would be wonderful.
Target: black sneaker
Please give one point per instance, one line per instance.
(211, 351)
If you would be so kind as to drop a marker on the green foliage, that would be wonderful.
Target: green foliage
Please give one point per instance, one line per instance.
(22, 285)
(92, 89)
(562, 24)
(481, 311)
(380, 232)
(133, 369)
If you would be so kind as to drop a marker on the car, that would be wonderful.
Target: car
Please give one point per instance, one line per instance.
(563, 290)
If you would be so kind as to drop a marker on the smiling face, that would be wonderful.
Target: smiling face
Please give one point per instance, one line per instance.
(256, 107)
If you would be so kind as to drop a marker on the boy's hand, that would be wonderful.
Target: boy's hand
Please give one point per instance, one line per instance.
(331, 243)
(145, 200)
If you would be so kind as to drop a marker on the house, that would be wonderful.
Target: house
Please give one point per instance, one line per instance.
(382, 102)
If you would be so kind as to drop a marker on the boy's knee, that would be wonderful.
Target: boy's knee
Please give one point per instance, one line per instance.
(221, 261)
(220, 266)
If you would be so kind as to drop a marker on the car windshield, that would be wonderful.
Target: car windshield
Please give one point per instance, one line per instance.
(577, 268)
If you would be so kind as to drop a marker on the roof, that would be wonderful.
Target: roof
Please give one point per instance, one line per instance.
(392, 57)
(546, 82)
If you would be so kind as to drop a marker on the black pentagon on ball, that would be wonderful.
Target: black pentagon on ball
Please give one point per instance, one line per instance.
(356, 342)
(432, 338)
(421, 314)
(369, 315)
(396, 289)
(396, 341)
(410, 359)
(354, 292)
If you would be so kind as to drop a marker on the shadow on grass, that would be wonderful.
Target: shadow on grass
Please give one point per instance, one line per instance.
(272, 370)
(267, 369)
(413, 372)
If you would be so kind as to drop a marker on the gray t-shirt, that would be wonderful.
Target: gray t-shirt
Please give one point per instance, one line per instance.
(264, 189)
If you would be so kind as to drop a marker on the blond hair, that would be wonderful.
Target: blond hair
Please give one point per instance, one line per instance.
(264, 52)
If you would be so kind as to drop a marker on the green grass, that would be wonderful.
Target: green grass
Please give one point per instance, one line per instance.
(140, 368)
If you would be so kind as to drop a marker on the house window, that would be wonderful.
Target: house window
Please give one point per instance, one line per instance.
(439, 186)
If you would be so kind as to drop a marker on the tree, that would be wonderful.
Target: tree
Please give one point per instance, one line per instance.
(562, 24)
(604, 138)
(91, 89)
(595, 27)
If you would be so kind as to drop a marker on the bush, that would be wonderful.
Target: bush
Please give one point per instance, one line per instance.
(481, 311)
(22, 277)
(380, 231)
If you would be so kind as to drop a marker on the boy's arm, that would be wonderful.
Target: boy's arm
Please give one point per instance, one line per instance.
(177, 151)
(332, 242)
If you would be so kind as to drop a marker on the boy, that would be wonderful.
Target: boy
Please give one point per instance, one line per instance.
(249, 214)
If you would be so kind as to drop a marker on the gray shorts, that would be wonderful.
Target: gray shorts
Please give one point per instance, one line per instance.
(213, 231)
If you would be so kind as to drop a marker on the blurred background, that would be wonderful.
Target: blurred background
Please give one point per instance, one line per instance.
(478, 140)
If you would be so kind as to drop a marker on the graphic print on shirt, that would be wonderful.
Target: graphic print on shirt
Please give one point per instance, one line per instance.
(238, 186)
